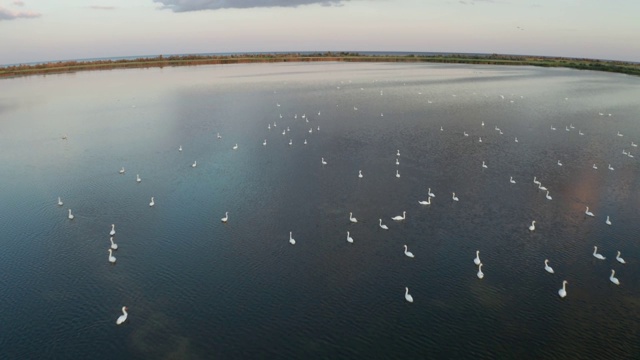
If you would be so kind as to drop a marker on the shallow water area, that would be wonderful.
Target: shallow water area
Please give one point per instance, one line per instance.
(200, 288)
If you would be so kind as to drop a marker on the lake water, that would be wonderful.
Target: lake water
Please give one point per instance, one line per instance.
(199, 289)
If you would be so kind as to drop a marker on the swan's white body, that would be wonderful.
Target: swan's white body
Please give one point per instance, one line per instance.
(60, 203)
(533, 226)
(305, 141)
(70, 215)
(360, 174)
(480, 273)
(235, 147)
(219, 137)
(479, 139)
(620, 260)
(608, 222)
(634, 144)
(407, 296)
(511, 180)
(138, 178)
(352, 219)
(595, 167)
(180, 148)
(195, 163)
(548, 196)
(587, 212)
(397, 162)
(113, 230)
(559, 163)
(349, 238)
(477, 259)
(152, 203)
(122, 318)
(398, 153)
(383, 226)
(484, 165)
(541, 187)
(536, 181)
(428, 202)
(112, 259)
(613, 278)
(408, 253)
(290, 142)
(596, 255)
(397, 174)
(264, 143)
(291, 240)
(225, 218)
(400, 218)
(114, 246)
(324, 162)
(548, 268)
(454, 197)
(121, 170)
(563, 292)
(610, 167)
(516, 140)
(430, 193)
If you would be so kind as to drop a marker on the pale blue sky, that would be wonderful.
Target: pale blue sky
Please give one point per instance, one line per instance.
(43, 30)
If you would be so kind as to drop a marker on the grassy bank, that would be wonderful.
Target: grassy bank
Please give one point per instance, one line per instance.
(192, 60)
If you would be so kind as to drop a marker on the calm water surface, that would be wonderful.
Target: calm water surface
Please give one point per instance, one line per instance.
(198, 289)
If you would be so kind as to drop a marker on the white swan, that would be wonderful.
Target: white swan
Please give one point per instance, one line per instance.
(620, 260)
(400, 218)
(290, 142)
(430, 193)
(235, 147)
(60, 203)
(264, 143)
(465, 133)
(552, 128)
(563, 292)
(477, 259)
(383, 226)
(305, 141)
(595, 167)
(112, 259)
(480, 273)
(352, 219)
(511, 180)
(122, 318)
(516, 139)
(397, 162)
(114, 246)
(482, 123)
(428, 202)
(566, 128)
(441, 129)
(152, 203)
(324, 162)
(533, 226)
(610, 167)
(291, 240)
(634, 144)
(397, 174)
(608, 222)
(596, 255)
(580, 132)
(121, 170)
(284, 132)
(269, 126)
(218, 136)
(70, 215)
(407, 296)
(620, 134)
(548, 196)
(454, 197)
(587, 212)
(480, 139)
(613, 278)
(535, 181)
(541, 187)
(138, 178)
(548, 268)
(349, 238)
(408, 253)
(398, 153)
(180, 148)
(484, 165)
(360, 174)
(113, 230)
(559, 163)
(195, 163)
(226, 217)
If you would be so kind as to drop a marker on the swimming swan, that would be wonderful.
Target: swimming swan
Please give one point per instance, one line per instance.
(383, 226)
(428, 202)
(122, 318)
(408, 253)
(352, 219)
(613, 278)
(563, 292)
(454, 197)
(112, 259)
(620, 260)
(70, 215)
(400, 218)
(587, 212)
(477, 259)
(533, 226)
(60, 203)
(349, 238)
(480, 273)
(407, 296)
(548, 268)
(596, 255)
(608, 222)
(225, 218)
(114, 246)
(152, 203)
(113, 230)
(291, 240)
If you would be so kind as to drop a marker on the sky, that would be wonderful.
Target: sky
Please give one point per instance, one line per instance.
(51, 30)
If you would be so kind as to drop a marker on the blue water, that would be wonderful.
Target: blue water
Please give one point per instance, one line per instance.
(198, 288)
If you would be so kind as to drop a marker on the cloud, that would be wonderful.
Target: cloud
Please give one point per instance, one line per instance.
(18, 3)
(101, 7)
(195, 5)
(7, 14)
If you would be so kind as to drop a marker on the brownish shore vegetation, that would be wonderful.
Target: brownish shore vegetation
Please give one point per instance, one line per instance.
(191, 60)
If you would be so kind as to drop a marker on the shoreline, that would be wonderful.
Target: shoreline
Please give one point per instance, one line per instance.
(193, 60)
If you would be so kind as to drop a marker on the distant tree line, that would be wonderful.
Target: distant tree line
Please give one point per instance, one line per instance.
(192, 60)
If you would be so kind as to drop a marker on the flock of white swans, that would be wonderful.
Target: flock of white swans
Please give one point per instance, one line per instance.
(562, 292)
